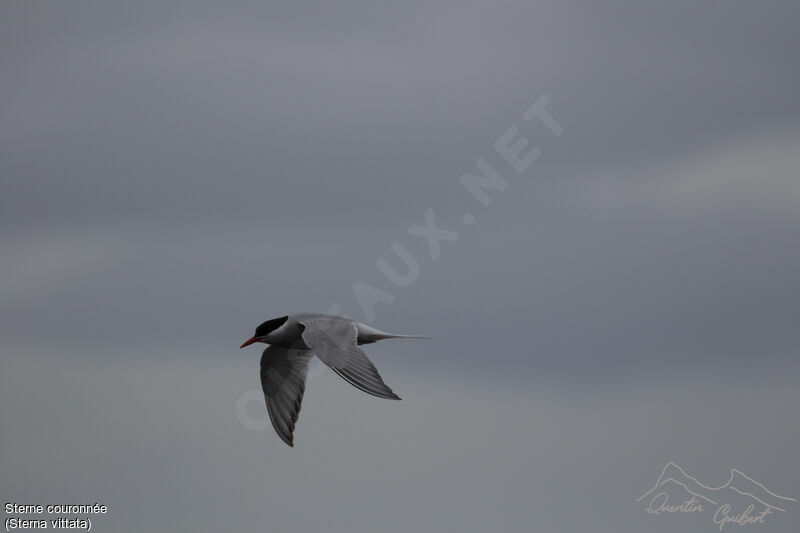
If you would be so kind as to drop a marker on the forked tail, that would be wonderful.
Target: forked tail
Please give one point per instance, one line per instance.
(368, 334)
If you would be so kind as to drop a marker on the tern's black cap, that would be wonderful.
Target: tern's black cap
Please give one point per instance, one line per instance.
(270, 325)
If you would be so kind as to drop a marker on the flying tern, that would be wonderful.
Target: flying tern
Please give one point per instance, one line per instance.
(293, 340)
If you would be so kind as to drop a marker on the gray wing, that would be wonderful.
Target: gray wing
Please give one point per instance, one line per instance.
(333, 340)
(283, 378)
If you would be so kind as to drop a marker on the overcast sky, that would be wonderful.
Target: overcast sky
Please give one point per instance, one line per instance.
(172, 174)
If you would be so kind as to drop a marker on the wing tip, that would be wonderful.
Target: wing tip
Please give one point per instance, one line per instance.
(386, 393)
(287, 439)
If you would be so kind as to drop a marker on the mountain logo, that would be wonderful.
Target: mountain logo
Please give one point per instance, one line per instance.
(741, 501)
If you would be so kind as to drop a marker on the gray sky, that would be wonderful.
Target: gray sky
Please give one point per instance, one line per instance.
(173, 174)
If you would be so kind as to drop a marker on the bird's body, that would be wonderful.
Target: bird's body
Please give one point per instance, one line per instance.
(293, 340)
(288, 334)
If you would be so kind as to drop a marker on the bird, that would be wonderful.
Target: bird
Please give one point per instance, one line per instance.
(293, 340)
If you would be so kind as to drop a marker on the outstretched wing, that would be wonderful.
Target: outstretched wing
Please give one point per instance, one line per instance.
(333, 340)
(283, 378)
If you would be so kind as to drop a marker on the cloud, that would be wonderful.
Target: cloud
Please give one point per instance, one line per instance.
(757, 174)
(172, 175)
(454, 454)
